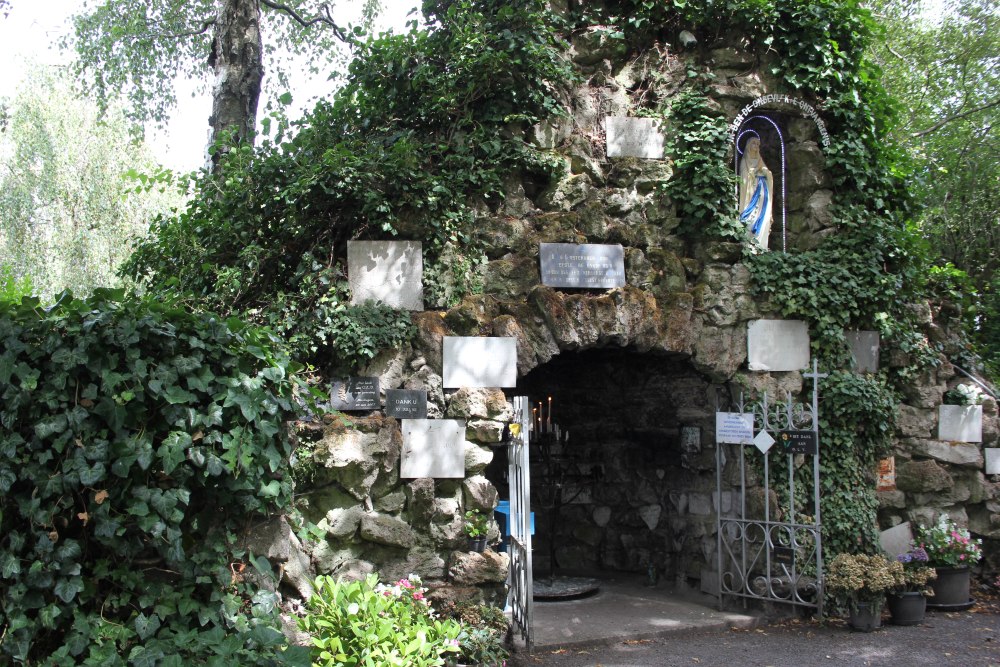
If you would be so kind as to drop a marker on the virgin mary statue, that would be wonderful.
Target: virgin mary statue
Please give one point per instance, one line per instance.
(756, 192)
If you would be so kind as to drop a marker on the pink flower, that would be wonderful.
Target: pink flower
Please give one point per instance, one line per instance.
(961, 557)
(418, 596)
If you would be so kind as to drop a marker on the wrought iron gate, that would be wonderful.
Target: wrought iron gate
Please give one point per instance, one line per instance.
(769, 546)
(519, 594)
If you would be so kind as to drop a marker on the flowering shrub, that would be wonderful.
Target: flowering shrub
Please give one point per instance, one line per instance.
(915, 573)
(861, 578)
(368, 624)
(948, 545)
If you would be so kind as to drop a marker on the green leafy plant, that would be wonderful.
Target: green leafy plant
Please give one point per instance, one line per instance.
(365, 623)
(409, 148)
(139, 440)
(483, 637)
(949, 545)
(476, 524)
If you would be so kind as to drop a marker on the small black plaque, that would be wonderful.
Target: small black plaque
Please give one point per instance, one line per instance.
(799, 442)
(582, 265)
(406, 403)
(783, 555)
(355, 394)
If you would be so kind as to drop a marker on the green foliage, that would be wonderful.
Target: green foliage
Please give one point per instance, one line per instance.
(12, 288)
(940, 62)
(140, 48)
(366, 624)
(67, 213)
(482, 640)
(408, 148)
(857, 423)
(476, 524)
(139, 440)
(703, 183)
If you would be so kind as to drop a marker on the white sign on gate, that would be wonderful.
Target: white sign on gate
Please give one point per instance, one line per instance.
(734, 428)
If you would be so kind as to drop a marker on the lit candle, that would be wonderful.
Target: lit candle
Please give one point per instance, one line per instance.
(550, 415)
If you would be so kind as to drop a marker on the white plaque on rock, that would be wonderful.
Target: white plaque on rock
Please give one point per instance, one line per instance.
(389, 272)
(633, 137)
(992, 460)
(433, 448)
(735, 428)
(777, 345)
(960, 423)
(479, 361)
(864, 350)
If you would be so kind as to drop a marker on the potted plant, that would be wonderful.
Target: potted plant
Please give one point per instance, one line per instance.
(950, 551)
(476, 527)
(907, 600)
(861, 582)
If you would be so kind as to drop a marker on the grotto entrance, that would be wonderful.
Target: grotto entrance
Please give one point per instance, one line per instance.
(622, 473)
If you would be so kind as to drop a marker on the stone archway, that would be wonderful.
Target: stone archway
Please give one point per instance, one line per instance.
(628, 484)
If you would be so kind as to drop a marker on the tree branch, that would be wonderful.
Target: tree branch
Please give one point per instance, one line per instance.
(205, 25)
(941, 123)
(325, 18)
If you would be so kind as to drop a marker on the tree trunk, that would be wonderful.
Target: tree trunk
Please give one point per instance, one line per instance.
(237, 58)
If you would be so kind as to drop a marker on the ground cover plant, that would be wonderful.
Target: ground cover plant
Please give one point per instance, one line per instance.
(139, 441)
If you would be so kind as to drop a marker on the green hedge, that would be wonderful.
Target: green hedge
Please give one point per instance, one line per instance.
(138, 441)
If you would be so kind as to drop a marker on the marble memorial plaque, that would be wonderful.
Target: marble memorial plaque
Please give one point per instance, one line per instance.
(777, 345)
(896, 540)
(406, 403)
(960, 423)
(864, 350)
(633, 137)
(389, 272)
(359, 393)
(479, 361)
(735, 428)
(433, 448)
(590, 265)
(992, 460)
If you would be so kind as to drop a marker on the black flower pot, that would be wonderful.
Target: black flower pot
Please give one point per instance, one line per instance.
(477, 544)
(866, 616)
(951, 588)
(907, 608)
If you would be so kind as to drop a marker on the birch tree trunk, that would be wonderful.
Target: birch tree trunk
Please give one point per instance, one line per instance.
(237, 58)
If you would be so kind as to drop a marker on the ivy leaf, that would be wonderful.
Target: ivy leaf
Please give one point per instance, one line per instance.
(66, 589)
(146, 626)
(175, 394)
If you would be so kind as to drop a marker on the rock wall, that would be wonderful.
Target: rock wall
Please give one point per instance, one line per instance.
(933, 476)
(686, 301)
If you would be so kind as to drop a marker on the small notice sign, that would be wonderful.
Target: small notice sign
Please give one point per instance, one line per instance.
(582, 265)
(783, 555)
(799, 442)
(359, 393)
(735, 428)
(406, 403)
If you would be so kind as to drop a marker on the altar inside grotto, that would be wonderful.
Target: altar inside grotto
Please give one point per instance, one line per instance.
(622, 465)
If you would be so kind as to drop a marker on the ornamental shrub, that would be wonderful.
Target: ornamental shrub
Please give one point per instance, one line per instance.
(948, 545)
(138, 441)
(367, 624)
